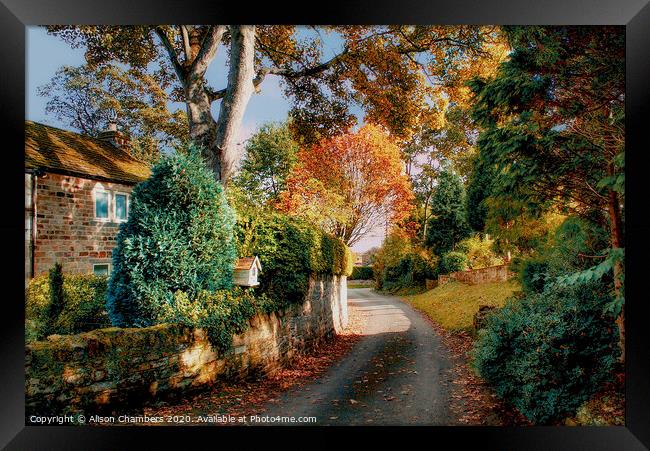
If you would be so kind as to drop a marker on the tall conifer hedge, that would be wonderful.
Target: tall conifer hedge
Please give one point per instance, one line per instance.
(179, 236)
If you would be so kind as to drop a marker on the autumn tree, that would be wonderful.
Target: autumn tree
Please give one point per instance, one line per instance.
(399, 75)
(362, 175)
(87, 99)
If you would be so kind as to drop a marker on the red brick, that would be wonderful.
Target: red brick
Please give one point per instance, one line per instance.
(66, 228)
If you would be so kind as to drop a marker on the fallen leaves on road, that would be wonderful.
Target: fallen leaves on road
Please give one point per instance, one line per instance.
(472, 400)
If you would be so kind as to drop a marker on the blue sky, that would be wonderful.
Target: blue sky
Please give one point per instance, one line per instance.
(46, 54)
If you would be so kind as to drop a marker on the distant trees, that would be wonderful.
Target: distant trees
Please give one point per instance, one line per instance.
(479, 189)
(448, 224)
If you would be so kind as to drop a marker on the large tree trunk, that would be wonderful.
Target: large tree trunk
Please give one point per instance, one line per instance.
(616, 228)
(238, 93)
(202, 125)
(218, 139)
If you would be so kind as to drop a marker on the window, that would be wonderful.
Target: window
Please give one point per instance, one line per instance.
(121, 204)
(102, 269)
(101, 204)
(110, 205)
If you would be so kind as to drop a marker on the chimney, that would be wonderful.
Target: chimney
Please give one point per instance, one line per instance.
(112, 135)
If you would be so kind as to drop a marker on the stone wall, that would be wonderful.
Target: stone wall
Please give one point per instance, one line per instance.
(66, 228)
(476, 276)
(99, 370)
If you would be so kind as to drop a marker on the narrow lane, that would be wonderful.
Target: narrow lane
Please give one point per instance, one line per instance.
(398, 373)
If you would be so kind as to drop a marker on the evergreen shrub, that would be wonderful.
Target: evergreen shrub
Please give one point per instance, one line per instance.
(179, 236)
(452, 262)
(549, 352)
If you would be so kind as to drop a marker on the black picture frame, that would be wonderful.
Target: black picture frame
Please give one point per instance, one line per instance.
(15, 15)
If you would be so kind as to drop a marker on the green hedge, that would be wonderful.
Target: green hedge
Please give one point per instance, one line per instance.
(362, 273)
(290, 251)
(83, 306)
(412, 270)
(549, 352)
(221, 313)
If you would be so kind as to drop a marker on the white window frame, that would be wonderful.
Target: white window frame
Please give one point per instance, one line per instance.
(97, 191)
(128, 201)
(107, 264)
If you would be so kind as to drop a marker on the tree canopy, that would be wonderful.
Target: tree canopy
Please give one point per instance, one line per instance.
(270, 155)
(401, 76)
(88, 99)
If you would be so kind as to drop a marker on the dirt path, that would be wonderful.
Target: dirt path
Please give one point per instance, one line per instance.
(398, 373)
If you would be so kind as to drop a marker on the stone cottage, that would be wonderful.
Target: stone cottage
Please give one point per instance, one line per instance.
(77, 192)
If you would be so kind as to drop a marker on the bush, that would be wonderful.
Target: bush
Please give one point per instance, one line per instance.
(221, 313)
(84, 300)
(362, 273)
(452, 262)
(533, 276)
(56, 304)
(480, 253)
(411, 271)
(290, 251)
(179, 236)
(550, 352)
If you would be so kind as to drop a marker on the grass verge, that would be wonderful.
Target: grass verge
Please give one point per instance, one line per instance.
(454, 304)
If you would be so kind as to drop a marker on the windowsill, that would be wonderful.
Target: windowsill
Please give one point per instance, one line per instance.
(110, 221)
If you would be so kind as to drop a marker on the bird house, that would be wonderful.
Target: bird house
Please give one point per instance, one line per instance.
(246, 271)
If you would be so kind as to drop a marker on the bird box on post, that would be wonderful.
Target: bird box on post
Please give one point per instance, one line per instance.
(246, 271)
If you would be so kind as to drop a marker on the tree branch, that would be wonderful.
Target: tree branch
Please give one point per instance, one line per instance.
(186, 44)
(171, 52)
(214, 95)
(292, 74)
(209, 47)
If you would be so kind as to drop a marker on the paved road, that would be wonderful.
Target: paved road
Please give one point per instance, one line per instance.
(397, 374)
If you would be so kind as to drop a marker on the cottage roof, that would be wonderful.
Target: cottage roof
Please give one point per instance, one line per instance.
(247, 263)
(62, 151)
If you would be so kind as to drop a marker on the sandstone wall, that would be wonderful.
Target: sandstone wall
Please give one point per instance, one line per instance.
(105, 368)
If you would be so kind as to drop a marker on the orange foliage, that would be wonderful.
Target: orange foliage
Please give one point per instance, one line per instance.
(350, 184)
